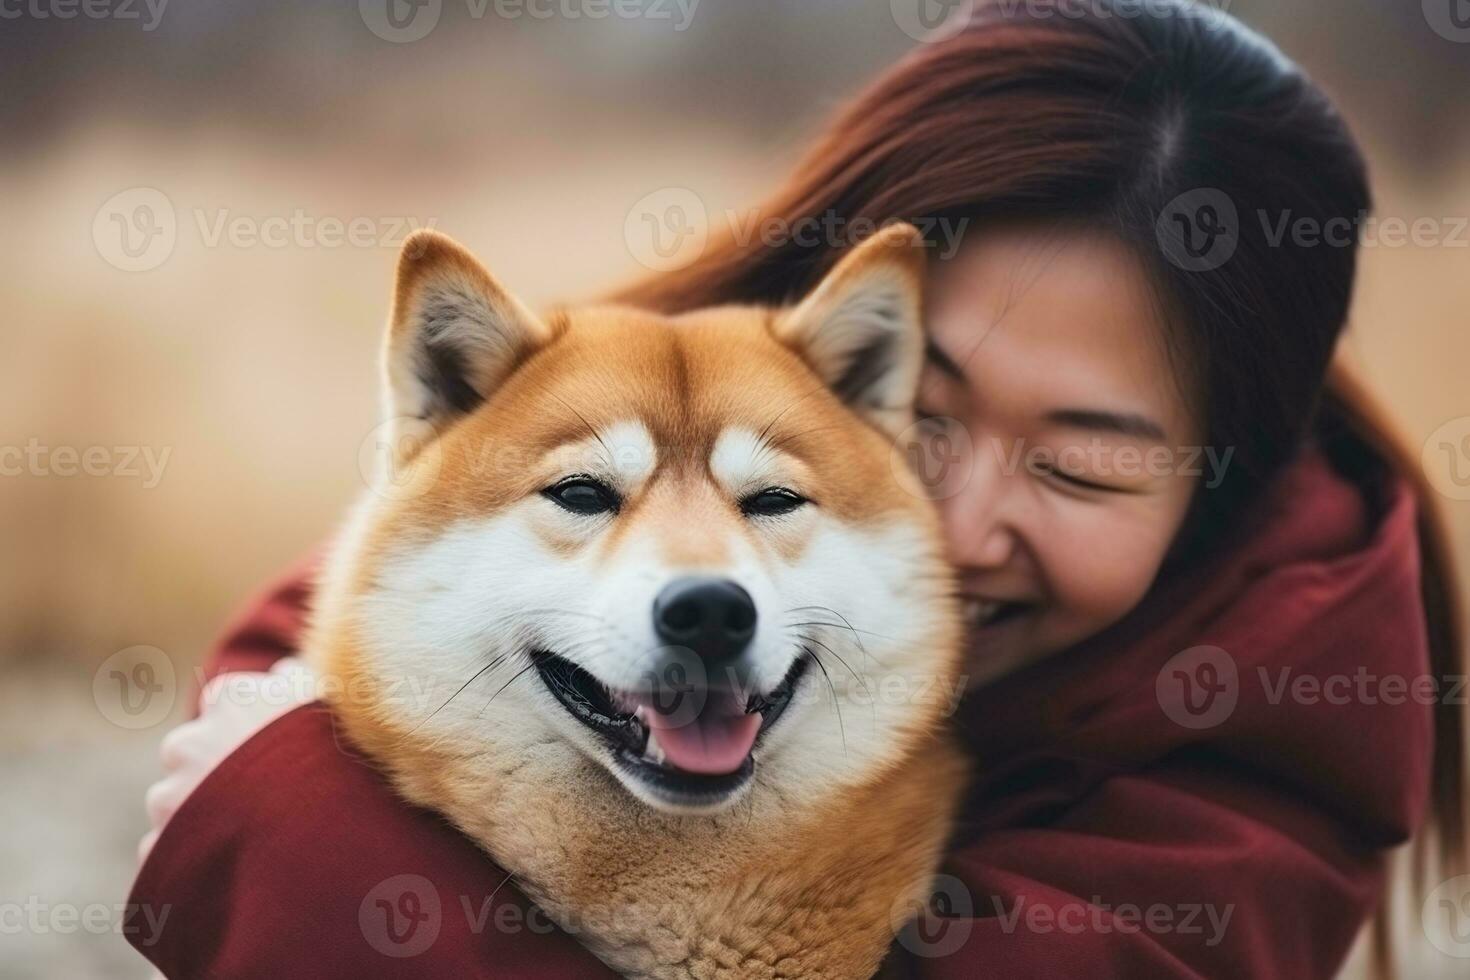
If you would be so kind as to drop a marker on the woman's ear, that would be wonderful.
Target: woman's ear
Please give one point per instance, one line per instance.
(454, 336)
(861, 329)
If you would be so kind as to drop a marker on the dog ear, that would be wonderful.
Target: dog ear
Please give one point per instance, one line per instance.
(454, 336)
(861, 329)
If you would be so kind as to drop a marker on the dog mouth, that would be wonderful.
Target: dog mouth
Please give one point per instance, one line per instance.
(688, 745)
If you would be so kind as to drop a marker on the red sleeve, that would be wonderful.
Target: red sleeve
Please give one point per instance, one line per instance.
(268, 628)
(1186, 871)
(295, 858)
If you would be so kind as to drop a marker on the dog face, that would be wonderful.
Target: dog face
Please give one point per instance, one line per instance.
(673, 550)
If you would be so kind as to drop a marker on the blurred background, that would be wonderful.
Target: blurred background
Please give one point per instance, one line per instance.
(202, 204)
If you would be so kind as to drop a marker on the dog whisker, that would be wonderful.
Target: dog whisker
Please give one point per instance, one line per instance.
(846, 623)
(494, 662)
(836, 701)
(529, 664)
(861, 683)
(489, 666)
(761, 439)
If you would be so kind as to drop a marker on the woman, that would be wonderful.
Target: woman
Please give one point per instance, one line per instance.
(1177, 536)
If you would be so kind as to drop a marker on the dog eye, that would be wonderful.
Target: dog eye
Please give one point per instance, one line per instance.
(771, 503)
(583, 495)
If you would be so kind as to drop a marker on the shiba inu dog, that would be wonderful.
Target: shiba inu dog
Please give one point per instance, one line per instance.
(687, 626)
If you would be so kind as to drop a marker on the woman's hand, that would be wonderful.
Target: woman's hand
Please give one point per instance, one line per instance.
(232, 707)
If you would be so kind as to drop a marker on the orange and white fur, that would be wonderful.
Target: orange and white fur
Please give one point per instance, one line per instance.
(566, 492)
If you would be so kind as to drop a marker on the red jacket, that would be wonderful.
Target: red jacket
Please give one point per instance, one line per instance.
(1206, 790)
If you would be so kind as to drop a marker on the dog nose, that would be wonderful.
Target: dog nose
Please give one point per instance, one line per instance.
(714, 617)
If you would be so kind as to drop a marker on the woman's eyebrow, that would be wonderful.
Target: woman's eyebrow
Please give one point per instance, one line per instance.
(1128, 424)
(941, 360)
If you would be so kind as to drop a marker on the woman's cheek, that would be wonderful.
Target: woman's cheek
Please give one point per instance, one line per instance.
(1102, 566)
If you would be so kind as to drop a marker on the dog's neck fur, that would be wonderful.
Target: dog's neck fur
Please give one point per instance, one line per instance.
(771, 888)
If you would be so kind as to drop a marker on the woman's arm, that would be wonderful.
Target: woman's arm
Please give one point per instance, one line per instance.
(293, 857)
(1191, 870)
(268, 628)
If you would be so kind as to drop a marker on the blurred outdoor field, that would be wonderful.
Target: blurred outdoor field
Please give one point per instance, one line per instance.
(216, 403)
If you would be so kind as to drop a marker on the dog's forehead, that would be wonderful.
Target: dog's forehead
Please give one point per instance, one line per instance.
(685, 380)
(709, 395)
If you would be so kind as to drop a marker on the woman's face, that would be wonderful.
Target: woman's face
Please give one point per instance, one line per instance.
(1046, 347)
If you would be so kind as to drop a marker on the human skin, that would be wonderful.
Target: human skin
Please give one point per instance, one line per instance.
(1048, 353)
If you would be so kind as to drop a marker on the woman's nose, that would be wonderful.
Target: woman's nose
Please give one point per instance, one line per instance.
(994, 549)
(979, 520)
(976, 540)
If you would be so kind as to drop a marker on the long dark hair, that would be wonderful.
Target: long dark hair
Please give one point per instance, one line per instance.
(1164, 125)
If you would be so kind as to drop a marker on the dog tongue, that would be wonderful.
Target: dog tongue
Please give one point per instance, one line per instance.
(715, 743)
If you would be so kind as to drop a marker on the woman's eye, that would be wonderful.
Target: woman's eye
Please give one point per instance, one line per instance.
(1084, 484)
(771, 503)
(1077, 482)
(583, 495)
